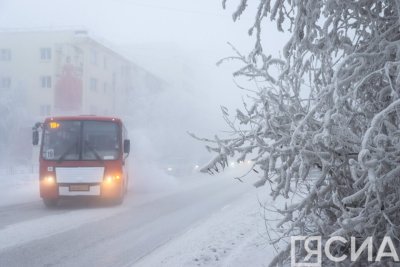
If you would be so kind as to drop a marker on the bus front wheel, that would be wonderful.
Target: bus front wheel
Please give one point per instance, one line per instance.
(50, 203)
(119, 200)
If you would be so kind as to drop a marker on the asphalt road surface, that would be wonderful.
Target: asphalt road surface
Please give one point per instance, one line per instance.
(86, 233)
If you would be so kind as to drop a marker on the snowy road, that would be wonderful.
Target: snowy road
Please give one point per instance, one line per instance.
(86, 234)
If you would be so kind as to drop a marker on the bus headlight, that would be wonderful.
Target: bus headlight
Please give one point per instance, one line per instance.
(49, 180)
(109, 179)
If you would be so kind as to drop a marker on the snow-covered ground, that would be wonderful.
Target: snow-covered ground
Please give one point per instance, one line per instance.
(194, 220)
(19, 186)
(232, 236)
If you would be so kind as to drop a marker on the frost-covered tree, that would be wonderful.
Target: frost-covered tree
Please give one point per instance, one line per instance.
(325, 129)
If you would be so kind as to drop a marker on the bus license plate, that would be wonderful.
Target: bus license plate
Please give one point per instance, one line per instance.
(79, 187)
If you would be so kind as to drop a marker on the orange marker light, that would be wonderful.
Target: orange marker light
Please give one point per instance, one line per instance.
(54, 125)
(111, 178)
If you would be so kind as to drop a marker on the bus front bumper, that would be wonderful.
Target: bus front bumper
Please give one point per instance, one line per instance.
(102, 190)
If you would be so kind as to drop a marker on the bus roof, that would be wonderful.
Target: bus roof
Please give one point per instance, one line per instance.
(83, 118)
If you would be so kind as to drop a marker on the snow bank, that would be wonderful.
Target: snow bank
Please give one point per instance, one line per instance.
(20, 187)
(235, 236)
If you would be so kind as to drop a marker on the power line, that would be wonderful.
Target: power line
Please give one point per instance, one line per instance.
(173, 9)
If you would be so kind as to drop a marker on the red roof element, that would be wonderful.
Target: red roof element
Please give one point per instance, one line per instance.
(68, 90)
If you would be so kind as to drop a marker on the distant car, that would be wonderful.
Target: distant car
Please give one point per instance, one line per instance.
(179, 166)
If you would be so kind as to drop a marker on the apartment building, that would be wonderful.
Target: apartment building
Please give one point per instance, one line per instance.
(65, 72)
(46, 72)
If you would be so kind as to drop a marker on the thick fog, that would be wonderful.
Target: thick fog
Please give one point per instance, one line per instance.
(178, 42)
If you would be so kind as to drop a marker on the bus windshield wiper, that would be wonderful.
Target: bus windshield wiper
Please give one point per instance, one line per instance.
(61, 158)
(97, 155)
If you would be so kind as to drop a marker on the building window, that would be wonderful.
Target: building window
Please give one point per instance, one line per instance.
(45, 53)
(122, 70)
(5, 55)
(93, 84)
(45, 81)
(93, 57)
(93, 110)
(45, 110)
(105, 87)
(5, 82)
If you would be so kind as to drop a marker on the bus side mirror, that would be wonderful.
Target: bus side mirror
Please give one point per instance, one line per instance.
(35, 137)
(127, 146)
(35, 133)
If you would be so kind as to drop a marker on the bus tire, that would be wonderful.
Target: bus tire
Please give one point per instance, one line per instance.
(126, 185)
(118, 201)
(50, 203)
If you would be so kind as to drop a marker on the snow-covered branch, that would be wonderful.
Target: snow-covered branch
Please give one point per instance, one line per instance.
(334, 141)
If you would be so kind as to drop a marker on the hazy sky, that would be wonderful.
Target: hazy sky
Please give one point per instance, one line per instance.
(199, 28)
(190, 23)
(179, 40)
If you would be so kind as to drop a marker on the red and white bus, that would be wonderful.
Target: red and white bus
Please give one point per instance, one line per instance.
(82, 156)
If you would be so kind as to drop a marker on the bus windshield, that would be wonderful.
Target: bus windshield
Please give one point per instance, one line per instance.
(81, 140)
